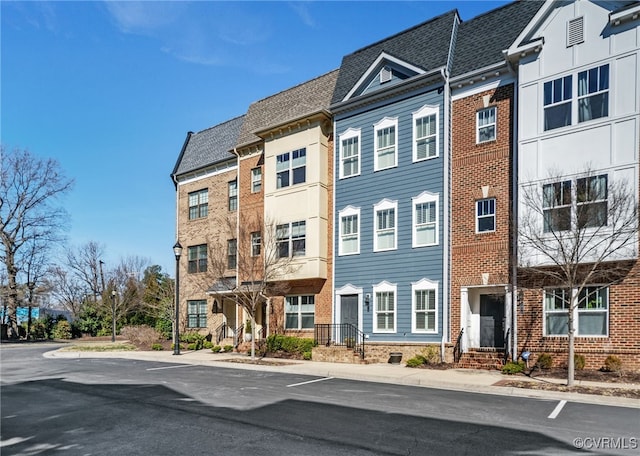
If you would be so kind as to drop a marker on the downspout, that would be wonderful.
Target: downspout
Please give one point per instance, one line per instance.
(514, 226)
(446, 209)
(334, 315)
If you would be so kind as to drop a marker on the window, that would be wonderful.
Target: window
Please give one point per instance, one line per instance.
(233, 195)
(350, 153)
(232, 254)
(291, 168)
(197, 258)
(557, 103)
(593, 93)
(486, 215)
(299, 312)
(556, 204)
(425, 137)
(425, 220)
(384, 306)
(198, 204)
(291, 239)
(385, 144)
(486, 125)
(256, 180)
(384, 237)
(197, 314)
(424, 306)
(255, 243)
(349, 231)
(591, 196)
(591, 316)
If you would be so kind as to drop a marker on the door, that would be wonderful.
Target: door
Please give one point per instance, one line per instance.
(491, 321)
(349, 309)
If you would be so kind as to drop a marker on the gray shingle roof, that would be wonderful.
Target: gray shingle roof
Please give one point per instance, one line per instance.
(294, 103)
(426, 46)
(481, 40)
(209, 146)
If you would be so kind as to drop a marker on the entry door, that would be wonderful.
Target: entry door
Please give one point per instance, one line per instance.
(491, 321)
(349, 309)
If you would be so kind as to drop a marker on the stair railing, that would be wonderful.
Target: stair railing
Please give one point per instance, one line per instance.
(340, 335)
(221, 333)
(457, 349)
(507, 346)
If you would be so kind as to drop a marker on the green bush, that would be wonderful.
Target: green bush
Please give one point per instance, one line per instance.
(193, 346)
(544, 361)
(579, 361)
(228, 348)
(207, 345)
(612, 364)
(431, 354)
(289, 344)
(165, 328)
(193, 339)
(513, 368)
(306, 356)
(38, 330)
(416, 361)
(157, 347)
(62, 330)
(216, 348)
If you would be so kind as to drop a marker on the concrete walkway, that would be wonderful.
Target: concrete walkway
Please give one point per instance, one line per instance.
(469, 380)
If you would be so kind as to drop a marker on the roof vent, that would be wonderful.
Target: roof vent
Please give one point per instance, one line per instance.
(575, 31)
(385, 75)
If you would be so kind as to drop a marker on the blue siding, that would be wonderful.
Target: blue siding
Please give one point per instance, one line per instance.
(405, 264)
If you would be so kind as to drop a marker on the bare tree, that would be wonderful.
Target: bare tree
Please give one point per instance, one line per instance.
(575, 232)
(29, 192)
(257, 269)
(35, 258)
(85, 261)
(125, 292)
(67, 289)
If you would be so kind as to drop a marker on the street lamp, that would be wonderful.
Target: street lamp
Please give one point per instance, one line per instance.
(113, 315)
(177, 250)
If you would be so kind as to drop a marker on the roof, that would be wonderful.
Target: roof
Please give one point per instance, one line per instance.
(427, 46)
(297, 102)
(481, 40)
(209, 146)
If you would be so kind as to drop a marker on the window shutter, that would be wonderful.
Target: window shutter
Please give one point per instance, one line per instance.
(575, 31)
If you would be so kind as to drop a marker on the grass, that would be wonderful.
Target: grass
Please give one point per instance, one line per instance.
(100, 347)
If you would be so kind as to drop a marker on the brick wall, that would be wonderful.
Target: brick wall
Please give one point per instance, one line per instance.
(475, 166)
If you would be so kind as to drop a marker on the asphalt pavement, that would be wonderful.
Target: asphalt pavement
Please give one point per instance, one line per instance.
(470, 380)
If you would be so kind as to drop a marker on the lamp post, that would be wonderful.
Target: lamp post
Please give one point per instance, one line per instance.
(177, 250)
(113, 315)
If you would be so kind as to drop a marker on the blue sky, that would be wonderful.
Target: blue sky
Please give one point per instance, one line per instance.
(110, 90)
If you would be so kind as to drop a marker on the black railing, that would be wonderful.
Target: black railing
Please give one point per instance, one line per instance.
(341, 335)
(507, 346)
(221, 333)
(238, 335)
(457, 349)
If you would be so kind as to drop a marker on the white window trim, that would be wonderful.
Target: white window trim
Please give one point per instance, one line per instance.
(425, 111)
(495, 215)
(255, 181)
(381, 206)
(348, 134)
(298, 298)
(348, 211)
(385, 123)
(495, 124)
(424, 197)
(385, 286)
(423, 284)
(576, 313)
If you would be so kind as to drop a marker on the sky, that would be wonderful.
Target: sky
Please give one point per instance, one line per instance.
(110, 90)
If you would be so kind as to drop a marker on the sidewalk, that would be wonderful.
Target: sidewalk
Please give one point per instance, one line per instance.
(468, 380)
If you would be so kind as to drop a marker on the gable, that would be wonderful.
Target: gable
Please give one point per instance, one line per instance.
(386, 71)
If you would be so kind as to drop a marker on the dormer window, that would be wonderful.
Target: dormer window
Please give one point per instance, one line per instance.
(385, 75)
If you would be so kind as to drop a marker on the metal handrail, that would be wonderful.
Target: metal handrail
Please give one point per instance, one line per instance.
(457, 349)
(341, 335)
(507, 346)
(221, 332)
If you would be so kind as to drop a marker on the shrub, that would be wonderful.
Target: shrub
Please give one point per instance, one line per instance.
(289, 344)
(306, 356)
(192, 346)
(612, 364)
(416, 361)
(431, 354)
(513, 368)
(194, 339)
(157, 347)
(62, 330)
(38, 330)
(140, 335)
(207, 344)
(228, 348)
(579, 361)
(165, 328)
(216, 348)
(544, 361)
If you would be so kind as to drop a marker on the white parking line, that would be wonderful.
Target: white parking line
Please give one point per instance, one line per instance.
(310, 381)
(169, 367)
(557, 410)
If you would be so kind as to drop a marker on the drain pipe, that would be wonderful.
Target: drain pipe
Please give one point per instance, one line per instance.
(445, 231)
